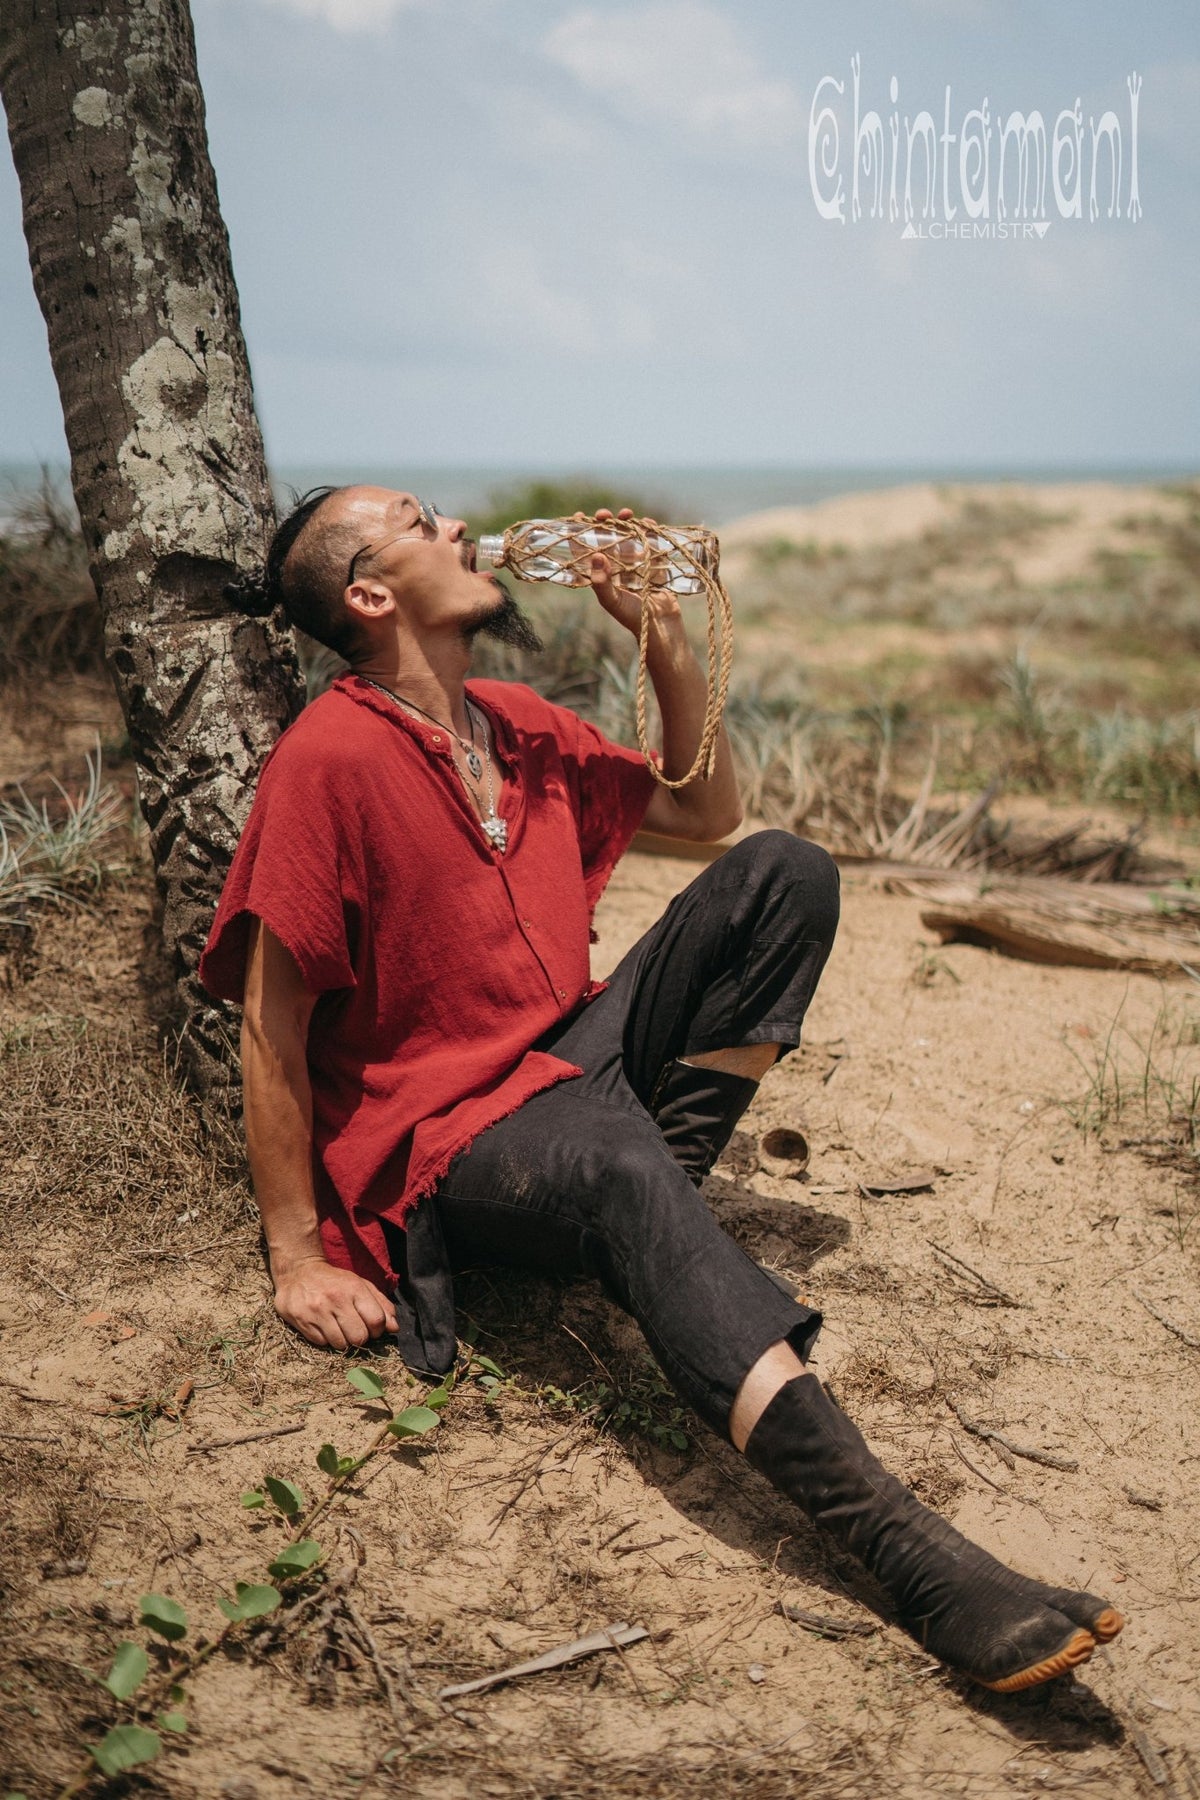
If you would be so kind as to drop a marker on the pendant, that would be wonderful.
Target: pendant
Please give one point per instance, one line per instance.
(496, 832)
(474, 764)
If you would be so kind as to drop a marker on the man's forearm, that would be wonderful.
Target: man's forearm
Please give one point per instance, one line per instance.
(711, 807)
(278, 1122)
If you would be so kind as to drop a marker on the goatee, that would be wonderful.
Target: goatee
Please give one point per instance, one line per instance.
(506, 623)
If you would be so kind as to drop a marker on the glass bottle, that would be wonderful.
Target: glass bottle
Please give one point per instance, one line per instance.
(560, 550)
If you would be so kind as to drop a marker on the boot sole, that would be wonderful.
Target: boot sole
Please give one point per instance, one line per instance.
(1105, 1628)
(1076, 1650)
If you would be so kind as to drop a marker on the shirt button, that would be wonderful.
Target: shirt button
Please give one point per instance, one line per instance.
(562, 993)
(528, 924)
(437, 737)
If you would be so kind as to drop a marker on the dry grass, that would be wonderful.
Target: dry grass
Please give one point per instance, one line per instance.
(49, 620)
(97, 1130)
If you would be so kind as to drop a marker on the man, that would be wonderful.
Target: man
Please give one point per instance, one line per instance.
(431, 1077)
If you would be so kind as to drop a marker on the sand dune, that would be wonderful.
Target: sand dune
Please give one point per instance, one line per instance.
(1079, 519)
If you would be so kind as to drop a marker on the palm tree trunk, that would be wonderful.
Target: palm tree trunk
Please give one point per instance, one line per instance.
(131, 265)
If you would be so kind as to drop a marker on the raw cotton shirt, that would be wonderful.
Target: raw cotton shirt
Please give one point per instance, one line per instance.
(438, 962)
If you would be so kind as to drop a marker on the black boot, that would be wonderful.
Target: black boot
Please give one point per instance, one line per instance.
(1003, 1629)
(696, 1110)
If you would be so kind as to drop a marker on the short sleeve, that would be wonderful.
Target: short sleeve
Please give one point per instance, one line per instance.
(296, 869)
(615, 785)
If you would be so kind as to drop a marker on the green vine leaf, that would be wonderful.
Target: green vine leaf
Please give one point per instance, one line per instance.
(487, 1365)
(286, 1495)
(295, 1559)
(254, 1497)
(164, 1616)
(171, 1721)
(254, 1601)
(124, 1747)
(438, 1398)
(414, 1421)
(367, 1383)
(330, 1463)
(130, 1668)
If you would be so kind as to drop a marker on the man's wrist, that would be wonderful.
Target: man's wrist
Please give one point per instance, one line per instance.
(285, 1258)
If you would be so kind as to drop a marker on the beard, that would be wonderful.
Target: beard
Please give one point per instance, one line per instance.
(504, 622)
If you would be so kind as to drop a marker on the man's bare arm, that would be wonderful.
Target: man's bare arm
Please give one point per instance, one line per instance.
(325, 1304)
(704, 810)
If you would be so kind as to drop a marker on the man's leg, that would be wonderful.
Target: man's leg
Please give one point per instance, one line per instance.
(713, 994)
(572, 1186)
(577, 1182)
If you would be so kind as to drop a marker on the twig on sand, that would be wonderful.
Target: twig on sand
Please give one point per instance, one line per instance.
(1005, 1446)
(247, 1437)
(823, 1626)
(619, 1532)
(526, 1477)
(1167, 1324)
(974, 1467)
(613, 1637)
(370, 1649)
(183, 1255)
(990, 1291)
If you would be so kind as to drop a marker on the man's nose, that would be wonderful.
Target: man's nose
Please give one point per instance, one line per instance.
(455, 528)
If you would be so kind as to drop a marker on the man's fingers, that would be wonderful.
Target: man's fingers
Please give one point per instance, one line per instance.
(322, 1329)
(351, 1326)
(371, 1310)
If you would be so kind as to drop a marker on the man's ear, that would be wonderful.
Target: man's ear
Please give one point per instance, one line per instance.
(370, 599)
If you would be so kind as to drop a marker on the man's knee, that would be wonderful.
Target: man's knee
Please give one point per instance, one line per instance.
(802, 876)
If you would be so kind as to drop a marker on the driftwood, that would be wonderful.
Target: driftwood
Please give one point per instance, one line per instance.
(1099, 926)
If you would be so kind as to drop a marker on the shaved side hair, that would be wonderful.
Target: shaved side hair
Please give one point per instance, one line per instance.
(306, 572)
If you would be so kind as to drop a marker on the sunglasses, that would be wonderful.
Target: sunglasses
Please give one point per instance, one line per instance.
(426, 519)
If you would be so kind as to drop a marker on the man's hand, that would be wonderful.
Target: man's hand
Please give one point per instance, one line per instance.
(332, 1306)
(608, 573)
(704, 810)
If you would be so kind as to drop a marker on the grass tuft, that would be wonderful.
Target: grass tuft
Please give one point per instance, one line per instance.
(56, 854)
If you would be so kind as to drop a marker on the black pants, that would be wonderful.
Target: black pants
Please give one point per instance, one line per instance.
(579, 1181)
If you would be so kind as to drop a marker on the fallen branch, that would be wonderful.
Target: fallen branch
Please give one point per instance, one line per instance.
(1167, 1324)
(614, 1637)
(1047, 921)
(248, 1437)
(1005, 1446)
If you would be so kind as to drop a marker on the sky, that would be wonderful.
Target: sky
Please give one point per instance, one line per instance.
(539, 234)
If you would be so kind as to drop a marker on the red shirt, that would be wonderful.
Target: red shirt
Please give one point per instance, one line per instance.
(438, 961)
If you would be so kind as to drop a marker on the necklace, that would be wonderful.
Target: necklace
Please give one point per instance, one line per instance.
(467, 747)
(494, 828)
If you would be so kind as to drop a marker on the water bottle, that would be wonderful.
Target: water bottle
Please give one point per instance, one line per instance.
(560, 550)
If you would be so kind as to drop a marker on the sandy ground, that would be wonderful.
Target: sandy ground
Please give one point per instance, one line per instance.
(518, 1526)
(1026, 1283)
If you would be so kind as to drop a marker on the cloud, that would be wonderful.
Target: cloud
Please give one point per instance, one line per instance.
(345, 15)
(518, 303)
(682, 61)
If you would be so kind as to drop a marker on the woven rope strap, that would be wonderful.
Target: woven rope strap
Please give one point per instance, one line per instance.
(638, 577)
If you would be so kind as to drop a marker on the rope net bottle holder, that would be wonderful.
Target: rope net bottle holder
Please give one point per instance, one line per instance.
(636, 576)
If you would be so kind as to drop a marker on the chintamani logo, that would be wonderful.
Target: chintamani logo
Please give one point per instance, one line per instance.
(991, 177)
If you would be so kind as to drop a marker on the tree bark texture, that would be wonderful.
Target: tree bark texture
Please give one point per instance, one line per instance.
(132, 269)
